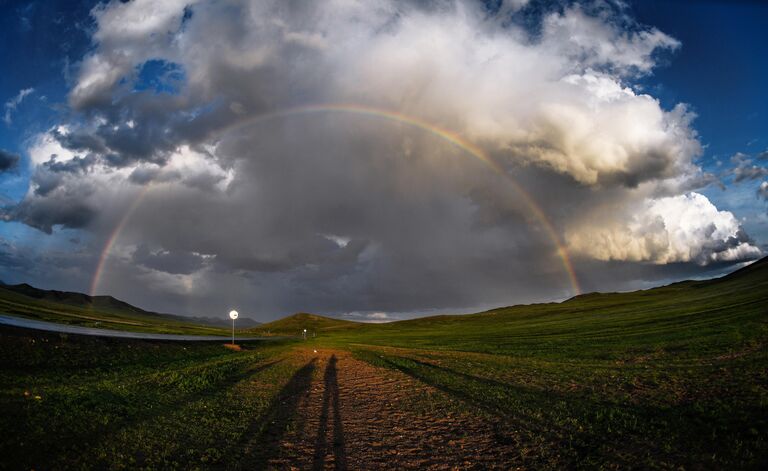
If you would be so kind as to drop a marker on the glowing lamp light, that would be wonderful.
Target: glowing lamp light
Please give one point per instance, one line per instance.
(233, 315)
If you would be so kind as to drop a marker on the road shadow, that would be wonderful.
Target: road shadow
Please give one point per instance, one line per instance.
(330, 400)
(261, 441)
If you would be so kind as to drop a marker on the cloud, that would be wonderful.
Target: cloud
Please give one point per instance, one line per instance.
(13, 103)
(595, 42)
(567, 108)
(222, 194)
(675, 229)
(8, 161)
(762, 190)
(744, 169)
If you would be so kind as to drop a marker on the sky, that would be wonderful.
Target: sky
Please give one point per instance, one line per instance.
(379, 160)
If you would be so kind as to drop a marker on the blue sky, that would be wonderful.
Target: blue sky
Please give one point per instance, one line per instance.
(190, 77)
(721, 70)
(40, 42)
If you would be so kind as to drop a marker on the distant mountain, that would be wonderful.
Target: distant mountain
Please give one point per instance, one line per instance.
(294, 324)
(109, 304)
(742, 280)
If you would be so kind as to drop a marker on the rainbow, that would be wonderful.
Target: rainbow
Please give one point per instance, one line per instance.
(444, 134)
(114, 236)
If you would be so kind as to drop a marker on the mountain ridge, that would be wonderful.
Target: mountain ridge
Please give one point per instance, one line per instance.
(73, 298)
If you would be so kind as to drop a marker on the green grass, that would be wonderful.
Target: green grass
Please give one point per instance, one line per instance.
(672, 378)
(665, 378)
(695, 320)
(80, 402)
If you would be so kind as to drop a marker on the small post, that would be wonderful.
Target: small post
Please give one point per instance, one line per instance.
(305, 334)
(233, 316)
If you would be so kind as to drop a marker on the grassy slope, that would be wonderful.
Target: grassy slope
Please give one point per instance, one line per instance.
(294, 324)
(104, 312)
(673, 377)
(698, 317)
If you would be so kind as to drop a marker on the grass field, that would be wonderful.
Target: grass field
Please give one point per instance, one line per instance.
(671, 378)
(114, 403)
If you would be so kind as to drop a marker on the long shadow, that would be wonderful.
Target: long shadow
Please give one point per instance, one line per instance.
(528, 408)
(330, 398)
(262, 439)
(178, 401)
(510, 404)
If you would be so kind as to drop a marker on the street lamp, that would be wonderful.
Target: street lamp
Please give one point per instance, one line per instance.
(305, 334)
(233, 316)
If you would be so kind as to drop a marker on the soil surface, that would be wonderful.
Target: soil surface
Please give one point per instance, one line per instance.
(348, 414)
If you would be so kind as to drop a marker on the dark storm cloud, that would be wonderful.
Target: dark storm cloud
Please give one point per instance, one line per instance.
(54, 200)
(80, 141)
(69, 211)
(58, 268)
(145, 174)
(73, 165)
(412, 239)
(8, 161)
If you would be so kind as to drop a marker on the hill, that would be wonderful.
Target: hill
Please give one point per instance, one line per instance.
(68, 307)
(709, 314)
(294, 324)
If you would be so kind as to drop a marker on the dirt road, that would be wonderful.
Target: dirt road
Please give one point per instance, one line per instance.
(342, 413)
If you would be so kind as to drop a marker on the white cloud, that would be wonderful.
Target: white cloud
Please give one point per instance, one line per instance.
(560, 102)
(680, 228)
(44, 146)
(594, 41)
(762, 191)
(13, 103)
(340, 241)
(544, 103)
(133, 32)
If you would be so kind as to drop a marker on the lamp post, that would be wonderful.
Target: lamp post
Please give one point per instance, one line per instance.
(233, 316)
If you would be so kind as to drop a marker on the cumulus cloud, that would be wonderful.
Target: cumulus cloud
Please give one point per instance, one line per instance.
(681, 228)
(559, 101)
(185, 142)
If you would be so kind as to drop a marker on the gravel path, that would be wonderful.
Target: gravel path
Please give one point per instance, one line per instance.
(357, 416)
